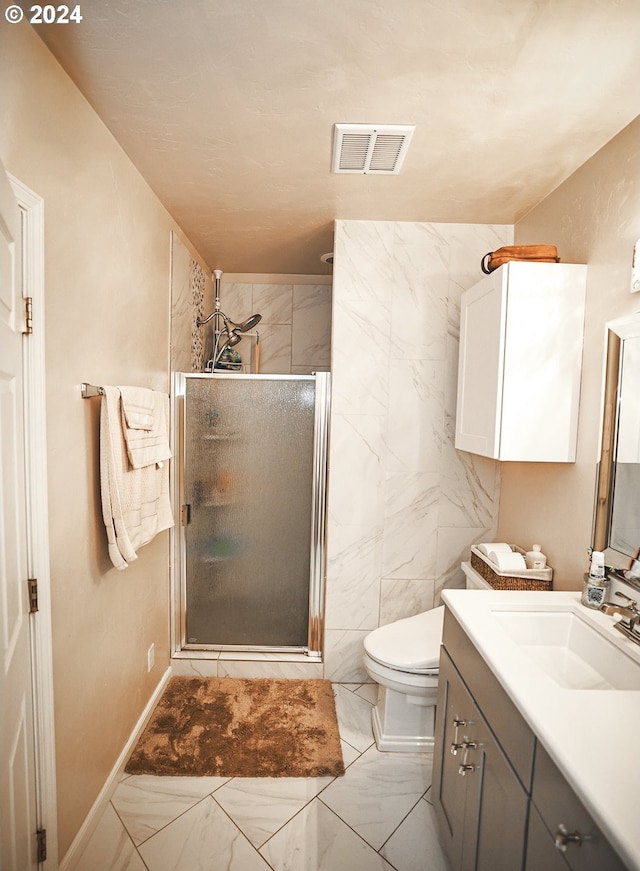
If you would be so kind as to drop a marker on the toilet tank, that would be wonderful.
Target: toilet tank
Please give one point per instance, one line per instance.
(473, 580)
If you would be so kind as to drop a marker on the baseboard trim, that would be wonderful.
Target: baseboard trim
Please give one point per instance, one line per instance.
(80, 841)
(399, 743)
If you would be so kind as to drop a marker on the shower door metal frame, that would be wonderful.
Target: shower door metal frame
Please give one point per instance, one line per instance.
(317, 557)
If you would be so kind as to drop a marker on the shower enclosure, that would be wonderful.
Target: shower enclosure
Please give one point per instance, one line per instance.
(252, 491)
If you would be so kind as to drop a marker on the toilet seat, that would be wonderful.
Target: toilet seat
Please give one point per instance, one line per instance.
(409, 682)
(411, 645)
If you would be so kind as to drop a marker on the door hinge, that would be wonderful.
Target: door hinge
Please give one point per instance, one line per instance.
(33, 595)
(28, 315)
(185, 514)
(41, 844)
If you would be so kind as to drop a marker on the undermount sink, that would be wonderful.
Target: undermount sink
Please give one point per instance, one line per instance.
(569, 650)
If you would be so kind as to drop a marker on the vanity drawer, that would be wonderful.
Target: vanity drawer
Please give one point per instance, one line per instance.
(559, 806)
(510, 728)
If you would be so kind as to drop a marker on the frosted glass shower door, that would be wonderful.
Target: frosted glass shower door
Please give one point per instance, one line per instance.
(251, 495)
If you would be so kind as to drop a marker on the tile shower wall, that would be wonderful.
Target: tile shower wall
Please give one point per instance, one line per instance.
(191, 297)
(404, 505)
(295, 330)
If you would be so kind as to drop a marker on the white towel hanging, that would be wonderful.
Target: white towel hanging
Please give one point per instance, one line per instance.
(135, 501)
(138, 407)
(145, 446)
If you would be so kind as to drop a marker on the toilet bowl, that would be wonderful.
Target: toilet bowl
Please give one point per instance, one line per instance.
(403, 659)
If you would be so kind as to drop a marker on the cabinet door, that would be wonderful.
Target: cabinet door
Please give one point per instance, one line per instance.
(542, 361)
(455, 714)
(480, 367)
(562, 811)
(542, 854)
(498, 840)
(480, 804)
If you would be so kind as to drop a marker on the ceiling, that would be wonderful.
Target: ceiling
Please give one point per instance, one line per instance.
(227, 108)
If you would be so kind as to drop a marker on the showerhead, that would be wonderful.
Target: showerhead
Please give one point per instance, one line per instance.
(233, 339)
(245, 326)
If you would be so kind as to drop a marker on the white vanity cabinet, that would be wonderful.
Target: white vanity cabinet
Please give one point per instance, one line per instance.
(520, 360)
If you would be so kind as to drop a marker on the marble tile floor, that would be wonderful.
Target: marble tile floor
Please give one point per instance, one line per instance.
(378, 816)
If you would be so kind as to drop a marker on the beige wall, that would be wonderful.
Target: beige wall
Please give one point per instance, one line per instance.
(107, 289)
(593, 218)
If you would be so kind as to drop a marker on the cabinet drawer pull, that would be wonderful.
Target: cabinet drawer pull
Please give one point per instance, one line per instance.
(564, 837)
(465, 766)
(455, 744)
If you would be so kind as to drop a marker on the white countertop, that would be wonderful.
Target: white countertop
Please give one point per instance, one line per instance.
(591, 735)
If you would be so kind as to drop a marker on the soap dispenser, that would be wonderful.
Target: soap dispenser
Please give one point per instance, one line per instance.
(535, 559)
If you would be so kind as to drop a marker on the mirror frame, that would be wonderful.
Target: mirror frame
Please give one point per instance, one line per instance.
(616, 332)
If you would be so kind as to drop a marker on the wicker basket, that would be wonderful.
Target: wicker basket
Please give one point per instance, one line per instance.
(527, 579)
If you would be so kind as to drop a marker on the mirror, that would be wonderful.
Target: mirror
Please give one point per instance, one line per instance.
(617, 514)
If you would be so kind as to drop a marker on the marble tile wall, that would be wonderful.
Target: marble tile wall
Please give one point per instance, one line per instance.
(191, 295)
(295, 330)
(404, 505)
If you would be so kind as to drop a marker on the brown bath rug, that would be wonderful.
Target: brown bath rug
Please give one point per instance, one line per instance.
(228, 727)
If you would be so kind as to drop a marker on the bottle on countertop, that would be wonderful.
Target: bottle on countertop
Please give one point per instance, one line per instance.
(596, 572)
(535, 559)
(596, 583)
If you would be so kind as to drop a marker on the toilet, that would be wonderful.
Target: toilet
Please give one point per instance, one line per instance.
(403, 659)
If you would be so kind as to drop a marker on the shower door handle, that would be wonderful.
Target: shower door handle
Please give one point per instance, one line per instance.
(185, 514)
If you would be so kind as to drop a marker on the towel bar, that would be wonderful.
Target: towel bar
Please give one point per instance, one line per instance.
(89, 390)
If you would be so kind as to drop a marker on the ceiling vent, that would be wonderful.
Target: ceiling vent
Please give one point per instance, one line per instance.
(378, 149)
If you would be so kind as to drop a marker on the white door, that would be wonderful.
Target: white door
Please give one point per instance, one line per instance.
(17, 762)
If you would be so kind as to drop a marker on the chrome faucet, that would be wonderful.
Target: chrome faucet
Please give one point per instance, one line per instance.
(629, 611)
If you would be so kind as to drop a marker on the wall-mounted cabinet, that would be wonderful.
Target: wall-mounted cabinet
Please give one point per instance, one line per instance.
(521, 331)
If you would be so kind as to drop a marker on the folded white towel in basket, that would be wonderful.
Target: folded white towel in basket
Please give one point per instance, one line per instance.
(135, 501)
(145, 445)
